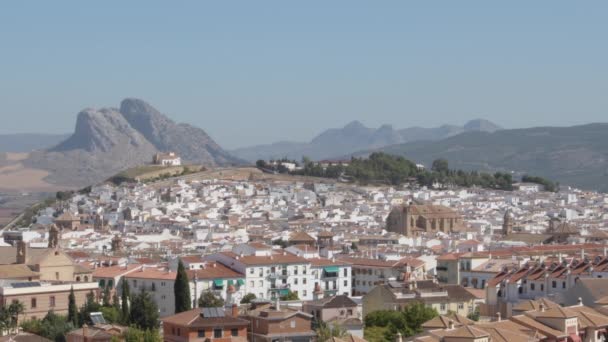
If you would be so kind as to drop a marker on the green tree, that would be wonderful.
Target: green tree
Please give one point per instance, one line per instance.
(181, 290)
(106, 300)
(111, 314)
(440, 165)
(89, 306)
(261, 164)
(209, 300)
(290, 296)
(144, 311)
(408, 322)
(326, 332)
(52, 326)
(248, 298)
(116, 301)
(15, 309)
(125, 301)
(72, 308)
(134, 334)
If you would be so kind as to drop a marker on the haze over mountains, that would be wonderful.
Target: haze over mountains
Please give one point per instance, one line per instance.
(354, 137)
(109, 140)
(26, 142)
(576, 155)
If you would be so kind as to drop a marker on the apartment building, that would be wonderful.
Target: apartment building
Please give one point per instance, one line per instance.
(272, 274)
(443, 298)
(219, 279)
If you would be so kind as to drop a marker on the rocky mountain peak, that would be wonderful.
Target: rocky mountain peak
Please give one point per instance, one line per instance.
(100, 130)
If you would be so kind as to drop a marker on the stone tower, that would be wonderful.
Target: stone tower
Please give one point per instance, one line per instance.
(116, 243)
(21, 252)
(507, 223)
(53, 236)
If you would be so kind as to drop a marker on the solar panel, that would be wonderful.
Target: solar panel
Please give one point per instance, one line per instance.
(97, 318)
(25, 284)
(213, 312)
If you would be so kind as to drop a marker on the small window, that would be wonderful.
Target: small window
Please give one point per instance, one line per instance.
(532, 286)
(217, 333)
(179, 332)
(554, 284)
(33, 303)
(234, 332)
(349, 312)
(563, 284)
(201, 333)
(292, 324)
(56, 275)
(52, 301)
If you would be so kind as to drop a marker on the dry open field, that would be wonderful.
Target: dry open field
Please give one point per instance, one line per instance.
(14, 176)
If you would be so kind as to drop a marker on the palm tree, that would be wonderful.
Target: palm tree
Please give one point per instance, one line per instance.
(15, 309)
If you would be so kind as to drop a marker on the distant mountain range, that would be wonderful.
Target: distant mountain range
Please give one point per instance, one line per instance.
(109, 140)
(576, 155)
(27, 142)
(356, 137)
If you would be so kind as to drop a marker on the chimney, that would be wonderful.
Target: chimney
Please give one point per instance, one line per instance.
(580, 301)
(498, 317)
(451, 325)
(542, 307)
(85, 332)
(582, 254)
(235, 310)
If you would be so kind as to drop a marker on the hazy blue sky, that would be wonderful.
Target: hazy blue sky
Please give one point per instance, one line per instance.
(252, 72)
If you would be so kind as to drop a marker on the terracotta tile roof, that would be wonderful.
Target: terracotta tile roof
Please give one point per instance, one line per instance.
(301, 236)
(286, 258)
(114, 271)
(534, 324)
(194, 319)
(367, 262)
(16, 271)
(327, 262)
(151, 273)
(213, 270)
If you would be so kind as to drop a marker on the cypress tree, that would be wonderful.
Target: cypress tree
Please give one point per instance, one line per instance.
(181, 289)
(72, 308)
(126, 312)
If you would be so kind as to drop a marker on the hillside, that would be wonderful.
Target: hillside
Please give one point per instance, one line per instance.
(354, 137)
(576, 155)
(108, 140)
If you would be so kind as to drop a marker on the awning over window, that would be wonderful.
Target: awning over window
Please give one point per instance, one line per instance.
(241, 282)
(218, 282)
(331, 269)
(284, 292)
(230, 282)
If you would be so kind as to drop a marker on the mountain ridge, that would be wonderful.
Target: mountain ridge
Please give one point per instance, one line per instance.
(574, 155)
(353, 137)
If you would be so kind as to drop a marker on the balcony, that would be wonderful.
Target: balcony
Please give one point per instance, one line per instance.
(275, 275)
(330, 292)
